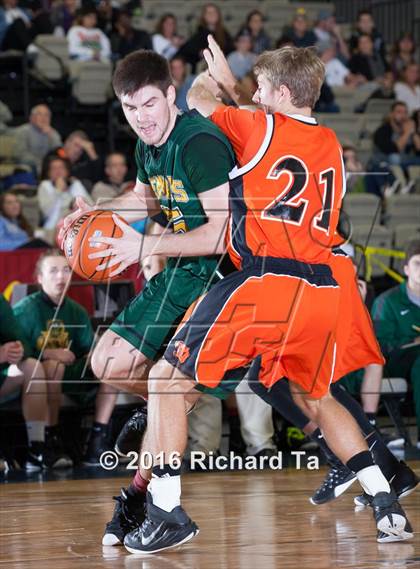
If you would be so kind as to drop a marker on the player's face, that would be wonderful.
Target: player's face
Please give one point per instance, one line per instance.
(265, 95)
(54, 276)
(412, 270)
(148, 112)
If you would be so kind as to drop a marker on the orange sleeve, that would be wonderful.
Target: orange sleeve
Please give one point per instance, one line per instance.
(244, 129)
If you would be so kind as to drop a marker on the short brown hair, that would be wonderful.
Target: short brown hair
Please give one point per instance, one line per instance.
(45, 255)
(299, 68)
(139, 69)
(412, 248)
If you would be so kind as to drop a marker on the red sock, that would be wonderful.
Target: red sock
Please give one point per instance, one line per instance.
(138, 484)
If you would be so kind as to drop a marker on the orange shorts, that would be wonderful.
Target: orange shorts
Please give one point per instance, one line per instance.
(357, 346)
(278, 310)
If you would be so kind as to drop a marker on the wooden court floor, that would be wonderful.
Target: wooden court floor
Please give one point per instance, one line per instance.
(250, 520)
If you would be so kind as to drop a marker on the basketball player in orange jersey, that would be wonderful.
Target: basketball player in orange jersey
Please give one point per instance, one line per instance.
(280, 309)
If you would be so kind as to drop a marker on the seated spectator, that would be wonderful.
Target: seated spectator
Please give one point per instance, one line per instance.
(166, 41)
(63, 15)
(385, 89)
(114, 183)
(326, 102)
(407, 90)
(211, 22)
(15, 26)
(5, 117)
(15, 230)
(182, 81)
(403, 54)
(125, 39)
(40, 21)
(57, 192)
(36, 138)
(327, 29)
(14, 351)
(299, 33)
(365, 25)
(107, 15)
(86, 41)
(354, 170)
(394, 140)
(80, 151)
(241, 61)
(60, 335)
(254, 25)
(365, 62)
(396, 314)
(336, 73)
(416, 136)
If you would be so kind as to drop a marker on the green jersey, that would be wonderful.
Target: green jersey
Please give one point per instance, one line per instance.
(48, 327)
(196, 157)
(10, 329)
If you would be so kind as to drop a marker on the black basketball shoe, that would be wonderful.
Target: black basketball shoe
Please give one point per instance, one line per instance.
(404, 482)
(160, 530)
(338, 479)
(131, 434)
(391, 522)
(129, 513)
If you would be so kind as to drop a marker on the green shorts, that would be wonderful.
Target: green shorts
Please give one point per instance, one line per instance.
(79, 382)
(151, 318)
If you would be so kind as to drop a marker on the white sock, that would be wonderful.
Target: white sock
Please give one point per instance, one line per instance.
(165, 491)
(35, 431)
(372, 480)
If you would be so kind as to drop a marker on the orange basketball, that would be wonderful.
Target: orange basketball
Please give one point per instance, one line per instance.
(77, 247)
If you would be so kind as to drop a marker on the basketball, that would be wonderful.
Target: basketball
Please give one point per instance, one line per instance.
(77, 247)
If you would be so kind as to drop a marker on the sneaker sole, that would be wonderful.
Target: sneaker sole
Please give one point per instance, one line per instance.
(111, 539)
(393, 526)
(337, 492)
(138, 552)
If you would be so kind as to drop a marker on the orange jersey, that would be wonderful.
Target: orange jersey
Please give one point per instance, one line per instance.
(285, 199)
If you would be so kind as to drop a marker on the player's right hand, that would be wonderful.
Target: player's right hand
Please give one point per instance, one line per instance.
(11, 352)
(82, 207)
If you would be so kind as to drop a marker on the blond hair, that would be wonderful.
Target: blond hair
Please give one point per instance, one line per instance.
(298, 68)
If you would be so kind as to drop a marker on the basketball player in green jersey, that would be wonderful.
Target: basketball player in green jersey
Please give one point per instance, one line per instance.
(183, 161)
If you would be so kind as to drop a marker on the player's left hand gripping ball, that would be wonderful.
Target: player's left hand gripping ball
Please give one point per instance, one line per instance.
(125, 250)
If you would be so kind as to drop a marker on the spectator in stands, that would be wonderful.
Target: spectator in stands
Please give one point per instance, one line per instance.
(35, 139)
(394, 140)
(86, 41)
(326, 102)
(59, 333)
(15, 26)
(255, 26)
(385, 88)
(299, 34)
(14, 351)
(57, 192)
(166, 40)
(365, 25)
(15, 230)
(125, 38)
(241, 61)
(211, 22)
(40, 20)
(407, 89)
(63, 15)
(396, 314)
(354, 170)
(182, 81)
(80, 151)
(5, 117)
(107, 14)
(336, 73)
(115, 182)
(365, 62)
(403, 54)
(327, 29)
(416, 136)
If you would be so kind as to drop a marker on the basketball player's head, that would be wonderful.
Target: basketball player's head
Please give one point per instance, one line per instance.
(53, 274)
(143, 84)
(289, 79)
(412, 265)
